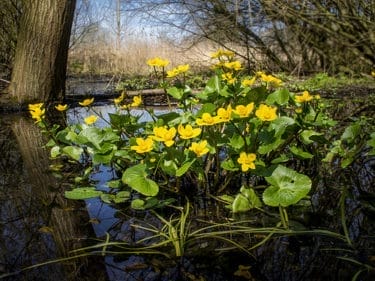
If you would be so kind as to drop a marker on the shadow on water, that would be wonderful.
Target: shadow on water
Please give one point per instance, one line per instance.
(37, 223)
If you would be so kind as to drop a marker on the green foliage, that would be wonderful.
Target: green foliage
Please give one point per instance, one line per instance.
(351, 143)
(136, 178)
(323, 81)
(235, 129)
(286, 188)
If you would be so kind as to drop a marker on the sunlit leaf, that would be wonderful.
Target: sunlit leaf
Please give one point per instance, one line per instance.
(301, 153)
(280, 96)
(184, 168)
(114, 184)
(246, 200)
(55, 151)
(137, 204)
(307, 136)
(175, 92)
(240, 204)
(136, 178)
(237, 141)
(229, 165)
(351, 132)
(93, 136)
(81, 193)
(287, 187)
(73, 151)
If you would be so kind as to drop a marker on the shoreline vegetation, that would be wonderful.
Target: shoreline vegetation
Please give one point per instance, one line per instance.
(124, 69)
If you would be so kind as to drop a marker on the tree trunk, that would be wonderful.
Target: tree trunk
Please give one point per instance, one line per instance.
(40, 62)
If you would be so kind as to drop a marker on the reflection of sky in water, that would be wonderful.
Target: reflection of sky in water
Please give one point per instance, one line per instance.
(96, 208)
(77, 114)
(100, 212)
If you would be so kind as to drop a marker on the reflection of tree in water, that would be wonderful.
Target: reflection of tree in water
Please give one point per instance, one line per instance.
(36, 222)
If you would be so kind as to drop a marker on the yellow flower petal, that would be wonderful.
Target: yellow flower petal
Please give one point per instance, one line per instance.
(91, 119)
(86, 102)
(61, 107)
(266, 113)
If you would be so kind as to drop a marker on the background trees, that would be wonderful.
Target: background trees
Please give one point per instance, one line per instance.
(301, 35)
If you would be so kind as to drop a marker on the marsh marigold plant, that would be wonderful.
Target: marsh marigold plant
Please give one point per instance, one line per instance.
(235, 128)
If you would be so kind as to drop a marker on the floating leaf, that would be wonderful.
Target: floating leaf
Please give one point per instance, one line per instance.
(287, 187)
(114, 183)
(138, 204)
(82, 193)
(119, 197)
(136, 178)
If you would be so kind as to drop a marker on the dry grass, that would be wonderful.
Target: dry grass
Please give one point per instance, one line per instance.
(130, 60)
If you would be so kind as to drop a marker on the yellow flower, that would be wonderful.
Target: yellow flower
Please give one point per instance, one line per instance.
(266, 113)
(305, 97)
(244, 111)
(247, 161)
(207, 120)
(373, 73)
(143, 145)
(178, 70)
(36, 111)
(229, 78)
(234, 65)
(35, 106)
(172, 73)
(183, 68)
(224, 115)
(317, 97)
(220, 53)
(217, 65)
(61, 107)
(164, 135)
(86, 102)
(158, 62)
(137, 101)
(298, 110)
(118, 100)
(91, 119)
(188, 132)
(200, 148)
(270, 80)
(249, 82)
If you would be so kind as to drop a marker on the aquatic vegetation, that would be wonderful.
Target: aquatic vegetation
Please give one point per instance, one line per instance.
(238, 139)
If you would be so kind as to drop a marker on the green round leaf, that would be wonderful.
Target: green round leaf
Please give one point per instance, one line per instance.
(83, 193)
(138, 204)
(287, 187)
(136, 178)
(240, 204)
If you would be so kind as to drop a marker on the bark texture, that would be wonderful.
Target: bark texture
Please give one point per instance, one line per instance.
(39, 71)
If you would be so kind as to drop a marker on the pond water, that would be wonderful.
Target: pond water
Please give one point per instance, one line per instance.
(37, 225)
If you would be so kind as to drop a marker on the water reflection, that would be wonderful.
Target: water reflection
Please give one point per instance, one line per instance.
(37, 224)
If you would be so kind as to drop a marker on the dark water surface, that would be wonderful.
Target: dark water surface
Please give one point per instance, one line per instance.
(37, 224)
